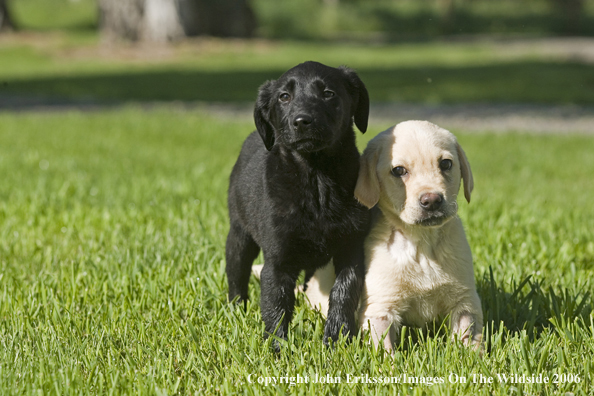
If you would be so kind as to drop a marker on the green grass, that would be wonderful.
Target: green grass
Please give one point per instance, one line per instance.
(112, 232)
(61, 68)
(74, 15)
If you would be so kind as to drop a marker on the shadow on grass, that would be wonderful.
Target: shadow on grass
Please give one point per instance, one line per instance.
(426, 24)
(528, 306)
(525, 306)
(534, 82)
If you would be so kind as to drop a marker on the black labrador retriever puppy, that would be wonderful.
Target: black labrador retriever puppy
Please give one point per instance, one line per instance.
(291, 194)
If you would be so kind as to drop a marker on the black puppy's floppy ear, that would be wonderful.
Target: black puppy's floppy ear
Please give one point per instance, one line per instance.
(262, 115)
(360, 98)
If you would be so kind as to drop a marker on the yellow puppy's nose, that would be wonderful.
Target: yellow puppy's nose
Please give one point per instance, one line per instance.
(431, 201)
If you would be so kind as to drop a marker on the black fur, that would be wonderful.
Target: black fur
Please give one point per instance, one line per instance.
(291, 194)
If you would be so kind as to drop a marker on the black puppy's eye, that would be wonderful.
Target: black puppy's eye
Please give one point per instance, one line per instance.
(399, 171)
(284, 97)
(328, 94)
(445, 164)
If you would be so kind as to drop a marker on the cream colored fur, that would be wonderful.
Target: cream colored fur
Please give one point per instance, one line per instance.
(416, 272)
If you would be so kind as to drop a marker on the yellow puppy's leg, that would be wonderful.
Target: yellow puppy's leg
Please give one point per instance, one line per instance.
(377, 327)
(257, 270)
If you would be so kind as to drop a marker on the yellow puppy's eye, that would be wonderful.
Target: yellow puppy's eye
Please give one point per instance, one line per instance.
(399, 171)
(445, 164)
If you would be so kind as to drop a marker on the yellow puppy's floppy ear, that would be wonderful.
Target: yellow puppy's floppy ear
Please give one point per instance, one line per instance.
(367, 190)
(466, 172)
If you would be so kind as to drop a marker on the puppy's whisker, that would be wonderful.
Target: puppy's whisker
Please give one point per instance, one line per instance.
(455, 205)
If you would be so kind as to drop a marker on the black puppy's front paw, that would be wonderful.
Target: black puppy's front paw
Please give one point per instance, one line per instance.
(335, 327)
(276, 343)
(238, 300)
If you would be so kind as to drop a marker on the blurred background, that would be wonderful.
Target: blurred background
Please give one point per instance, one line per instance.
(519, 64)
(303, 19)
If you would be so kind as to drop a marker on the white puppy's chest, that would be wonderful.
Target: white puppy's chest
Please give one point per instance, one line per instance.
(410, 280)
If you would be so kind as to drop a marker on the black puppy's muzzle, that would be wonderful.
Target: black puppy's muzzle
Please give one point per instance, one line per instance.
(302, 121)
(306, 136)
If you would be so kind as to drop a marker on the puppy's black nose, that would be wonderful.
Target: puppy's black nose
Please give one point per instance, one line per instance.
(302, 120)
(431, 201)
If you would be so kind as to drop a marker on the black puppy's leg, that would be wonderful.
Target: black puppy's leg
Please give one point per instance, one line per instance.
(346, 292)
(240, 253)
(277, 300)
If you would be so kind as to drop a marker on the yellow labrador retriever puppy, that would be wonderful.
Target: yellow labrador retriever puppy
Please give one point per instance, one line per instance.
(419, 264)
(418, 261)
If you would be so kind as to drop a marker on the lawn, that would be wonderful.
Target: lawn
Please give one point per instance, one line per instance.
(112, 232)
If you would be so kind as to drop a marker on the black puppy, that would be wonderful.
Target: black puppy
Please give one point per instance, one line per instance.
(291, 194)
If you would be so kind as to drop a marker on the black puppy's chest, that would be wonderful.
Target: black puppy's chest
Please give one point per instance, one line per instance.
(315, 209)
